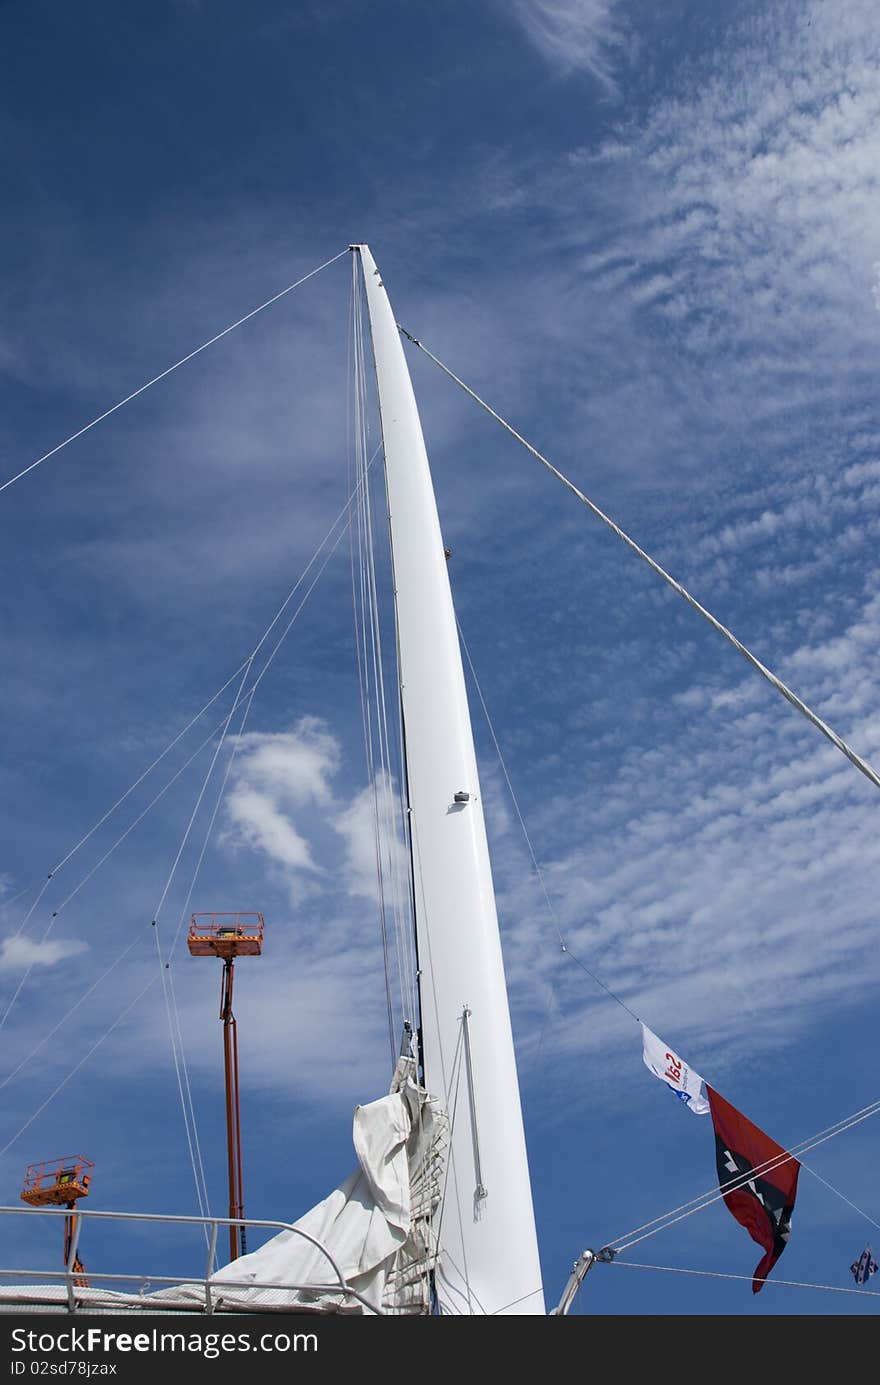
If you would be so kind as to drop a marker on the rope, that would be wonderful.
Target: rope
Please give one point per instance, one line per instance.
(624, 1006)
(24, 923)
(362, 626)
(164, 967)
(242, 697)
(452, 1171)
(861, 764)
(188, 1107)
(522, 1299)
(75, 1069)
(140, 779)
(537, 869)
(13, 899)
(174, 1014)
(184, 914)
(249, 693)
(61, 1023)
(95, 868)
(706, 1199)
(747, 1278)
(190, 724)
(198, 803)
(311, 587)
(110, 811)
(162, 375)
(830, 1186)
(172, 1010)
(374, 714)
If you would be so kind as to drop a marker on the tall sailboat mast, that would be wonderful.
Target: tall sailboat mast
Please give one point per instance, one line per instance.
(488, 1261)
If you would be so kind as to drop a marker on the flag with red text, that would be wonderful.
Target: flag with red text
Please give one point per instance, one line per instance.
(687, 1085)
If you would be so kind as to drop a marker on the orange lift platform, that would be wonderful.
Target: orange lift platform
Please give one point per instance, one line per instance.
(228, 936)
(61, 1183)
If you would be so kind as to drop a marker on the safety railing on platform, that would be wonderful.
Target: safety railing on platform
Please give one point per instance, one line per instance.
(76, 1297)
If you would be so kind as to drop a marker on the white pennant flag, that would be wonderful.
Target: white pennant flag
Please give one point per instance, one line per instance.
(674, 1071)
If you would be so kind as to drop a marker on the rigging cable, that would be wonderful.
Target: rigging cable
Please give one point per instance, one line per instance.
(187, 1103)
(687, 1209)
(860, 763)
(270, 658)
(248, 694)
(362, 627)
(61, 1023)
(840, 744)
(97, 866)
(184, 914)
(456, 1072)
(75, 1069)
(399, 863)
(716, 1274)
(131, 788)
(393, 886)
(616, 998)
(13, 899)
(162, 375)
(186, 764)
(164, 967)
(383, 791)
(537, 869)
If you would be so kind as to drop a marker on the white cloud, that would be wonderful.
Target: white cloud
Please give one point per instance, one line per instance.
(276, 776)
(573, 34)
(282, 805)
(257, 821)
(20, 953)
(293, 767)
(356, 824)
(701, 885)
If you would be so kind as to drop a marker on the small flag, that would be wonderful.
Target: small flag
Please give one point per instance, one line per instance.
(674, 1071)
(762, 1180)
(864, 1267)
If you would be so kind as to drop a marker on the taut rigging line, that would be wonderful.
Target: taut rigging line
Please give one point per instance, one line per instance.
(860, 763)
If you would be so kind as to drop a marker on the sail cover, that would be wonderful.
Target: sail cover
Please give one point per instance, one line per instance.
(375, 1225)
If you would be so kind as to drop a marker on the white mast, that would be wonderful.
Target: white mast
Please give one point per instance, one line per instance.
(488, 1247)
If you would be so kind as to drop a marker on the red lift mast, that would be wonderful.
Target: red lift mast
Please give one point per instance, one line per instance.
(228, 936)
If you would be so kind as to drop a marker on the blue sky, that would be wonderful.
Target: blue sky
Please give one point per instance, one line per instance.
(648, 235)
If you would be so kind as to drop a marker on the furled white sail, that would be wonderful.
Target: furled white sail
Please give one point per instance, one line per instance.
(488, 1261)
(376, 1225)
(374, 1232)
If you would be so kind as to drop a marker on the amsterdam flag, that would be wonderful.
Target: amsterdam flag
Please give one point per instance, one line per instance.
(864, 1267)
(763, 1202)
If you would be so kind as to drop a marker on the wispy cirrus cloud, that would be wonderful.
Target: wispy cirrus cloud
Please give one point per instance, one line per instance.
(703, 876)
(574, 34)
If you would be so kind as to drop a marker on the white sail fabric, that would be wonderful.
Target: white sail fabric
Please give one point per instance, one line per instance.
(375, 1225)
(687, 1085)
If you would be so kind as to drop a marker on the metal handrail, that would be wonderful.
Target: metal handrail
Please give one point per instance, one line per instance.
(69, 1276)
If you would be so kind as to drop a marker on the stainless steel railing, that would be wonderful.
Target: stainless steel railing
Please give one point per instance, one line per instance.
(75, 1295)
